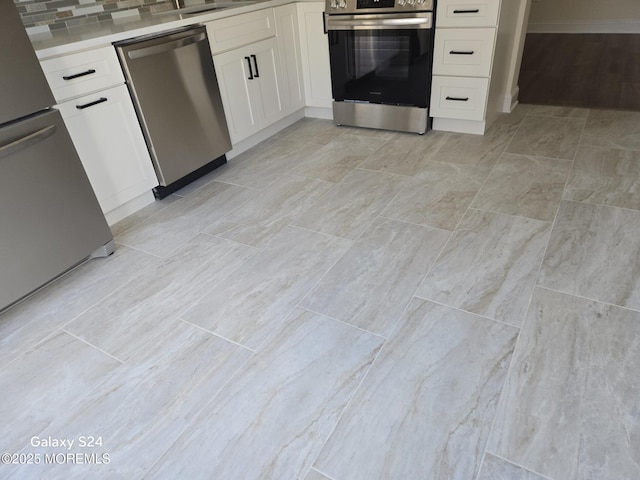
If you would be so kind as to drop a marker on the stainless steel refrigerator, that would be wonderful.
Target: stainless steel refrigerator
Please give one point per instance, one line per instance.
(50, 219)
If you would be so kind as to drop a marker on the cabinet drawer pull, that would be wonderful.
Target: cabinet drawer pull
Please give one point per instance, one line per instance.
(461, 52)
(248, 59)
(91, 104)
(255, 63)
(78, 75)
(475, 10)
(458, 99)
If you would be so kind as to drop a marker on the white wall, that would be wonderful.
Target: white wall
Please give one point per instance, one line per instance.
(585, 16)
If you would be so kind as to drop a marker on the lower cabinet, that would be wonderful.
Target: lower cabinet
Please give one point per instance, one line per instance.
(105, 131)
(249, 79)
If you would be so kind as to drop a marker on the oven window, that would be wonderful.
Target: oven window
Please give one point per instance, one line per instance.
(381, 66)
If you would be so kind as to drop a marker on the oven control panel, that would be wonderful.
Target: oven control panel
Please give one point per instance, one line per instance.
(376, 6)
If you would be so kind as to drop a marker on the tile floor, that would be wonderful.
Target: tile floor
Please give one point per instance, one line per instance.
(343, 304)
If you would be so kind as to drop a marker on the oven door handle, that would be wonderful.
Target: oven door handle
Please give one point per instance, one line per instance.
(380, 22)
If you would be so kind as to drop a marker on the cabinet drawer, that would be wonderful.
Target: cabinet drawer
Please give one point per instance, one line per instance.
(82, 73)
(459, 98)
(464, 52)
(467, 13)
(234, 32)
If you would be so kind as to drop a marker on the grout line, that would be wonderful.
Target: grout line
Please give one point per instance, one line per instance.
(548, 222)
(603, 302)
(91, 345)
(217, 335)
(430, 227)
(321, 473)
(364, 330)
(467, 311)
(518, 465)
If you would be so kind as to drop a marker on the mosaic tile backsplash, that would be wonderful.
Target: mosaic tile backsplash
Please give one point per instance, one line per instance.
(41, 16)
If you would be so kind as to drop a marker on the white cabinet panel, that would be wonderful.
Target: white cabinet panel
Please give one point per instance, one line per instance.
(287, 34)
(82, 73)
(464, 52)
(467, 13)
(105, 131)
(314, 47)
(459, 97)
(233, 32)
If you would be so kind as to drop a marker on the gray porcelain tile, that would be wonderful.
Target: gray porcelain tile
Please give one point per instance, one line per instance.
(438, 196)
(594, 252)
(338, 158)
(367, 132)
(257, 221)
(310, 130)
(262, 165)
(523, 185)
(40, 315)
(138, 412)
(164, 233)
(553, 111)
(479, 150)
(489, 265)
(551, 137)
(570, 406)
(613, 129)
(273, 417)
(139, 311)
(406, 153)
(605, 176)
(426, 406)
(134, 219)
(315, 475)
(373, 282)
(349, 207)
(52, 377)
(494, 468)
(256, 298)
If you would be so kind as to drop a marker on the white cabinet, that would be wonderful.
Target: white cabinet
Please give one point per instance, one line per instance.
(249, 85)
(314, 48)
(257, 62)
(98, 112)
(106, 134)
(287, 35)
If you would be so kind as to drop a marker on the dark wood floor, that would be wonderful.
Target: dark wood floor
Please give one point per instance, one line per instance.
(581, 70)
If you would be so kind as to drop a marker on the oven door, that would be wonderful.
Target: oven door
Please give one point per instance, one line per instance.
(383, 58)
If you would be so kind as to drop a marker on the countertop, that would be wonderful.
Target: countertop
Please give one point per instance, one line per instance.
(105, 33)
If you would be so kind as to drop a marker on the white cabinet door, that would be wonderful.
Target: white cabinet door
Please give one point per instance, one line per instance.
(234, 81)
(266, 82)
(314, 48)
(105, 131)
(287, 34)
(249, 81)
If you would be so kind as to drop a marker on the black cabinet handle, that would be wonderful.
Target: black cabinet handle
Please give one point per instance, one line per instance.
(461, 52)
(78, 75)
(458, 99)
(475, 10)
(255, 63)
(91, 104)
(248, 59)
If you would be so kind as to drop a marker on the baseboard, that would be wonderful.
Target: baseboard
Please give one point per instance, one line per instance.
(459, 126)
(262, 135)
(510, 101)
(619, 26)
(132, 206)
(319, 112)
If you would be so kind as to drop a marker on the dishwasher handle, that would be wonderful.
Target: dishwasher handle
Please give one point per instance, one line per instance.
(167, 46)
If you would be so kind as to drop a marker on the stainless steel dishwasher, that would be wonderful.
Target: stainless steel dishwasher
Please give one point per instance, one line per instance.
(174, 88)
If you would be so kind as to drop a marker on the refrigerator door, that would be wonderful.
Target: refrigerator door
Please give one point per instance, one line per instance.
(50, 219)
(23, 86)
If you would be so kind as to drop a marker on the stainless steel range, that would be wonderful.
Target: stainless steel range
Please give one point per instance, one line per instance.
(381, 54)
